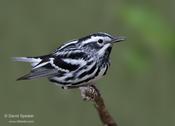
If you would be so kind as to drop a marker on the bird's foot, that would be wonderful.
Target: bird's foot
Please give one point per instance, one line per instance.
(89, 92)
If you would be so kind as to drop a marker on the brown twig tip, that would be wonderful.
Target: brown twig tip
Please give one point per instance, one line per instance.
(91, 93)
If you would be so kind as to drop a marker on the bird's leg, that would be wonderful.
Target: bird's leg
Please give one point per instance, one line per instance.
(89, 92)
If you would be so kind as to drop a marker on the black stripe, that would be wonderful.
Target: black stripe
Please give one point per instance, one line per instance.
(78, 83)
(108, 51)
(77, 55)
(55, 81)
(88, 79)
(67, 66)
(92, 45)
(88, 72)
(48, 66)
(94, 34)
(74, 55)
(85, 66)
(44, 58)
(106, 70)
(82, 68)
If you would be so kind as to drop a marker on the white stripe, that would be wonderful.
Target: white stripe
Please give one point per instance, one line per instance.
(81, 62)
(33, 61)
(70, 74)
(95, 39)
(59, 79)
(40, 65)
(58, 68)
(87, 76)
(68, 43)
(68, 52)
(100, 75)
(87, 69)
(102, 50)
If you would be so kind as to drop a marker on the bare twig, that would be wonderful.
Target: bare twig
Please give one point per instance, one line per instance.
(91, 93)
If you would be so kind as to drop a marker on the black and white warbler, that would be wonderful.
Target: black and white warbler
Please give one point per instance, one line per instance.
(76, 63)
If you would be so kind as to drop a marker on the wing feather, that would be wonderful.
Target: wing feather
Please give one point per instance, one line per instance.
(57, 64)
(39, 73)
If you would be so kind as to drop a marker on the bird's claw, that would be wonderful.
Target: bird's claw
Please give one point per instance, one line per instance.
(89, 93)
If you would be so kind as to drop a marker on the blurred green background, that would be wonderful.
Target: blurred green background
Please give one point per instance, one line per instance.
(139, 87)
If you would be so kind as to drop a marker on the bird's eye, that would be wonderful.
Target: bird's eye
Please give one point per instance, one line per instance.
(100, 41)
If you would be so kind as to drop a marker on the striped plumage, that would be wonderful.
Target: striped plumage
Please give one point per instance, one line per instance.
(76, 63)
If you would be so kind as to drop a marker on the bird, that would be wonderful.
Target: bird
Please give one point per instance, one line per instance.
(76, 63)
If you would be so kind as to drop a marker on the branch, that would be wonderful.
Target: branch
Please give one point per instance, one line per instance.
(91, 93)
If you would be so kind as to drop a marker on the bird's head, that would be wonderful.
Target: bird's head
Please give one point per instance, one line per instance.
(99, 43)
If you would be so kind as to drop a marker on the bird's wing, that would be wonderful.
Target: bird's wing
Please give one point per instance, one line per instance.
(58, 64)
(37, 73)
(77, 63)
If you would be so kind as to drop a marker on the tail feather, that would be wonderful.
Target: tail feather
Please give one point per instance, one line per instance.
(25, 77)
(37, 73)
(33, 61)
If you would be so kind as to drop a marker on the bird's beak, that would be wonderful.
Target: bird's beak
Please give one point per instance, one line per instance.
(118, 39)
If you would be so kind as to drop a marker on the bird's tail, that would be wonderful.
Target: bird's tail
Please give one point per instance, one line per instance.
(36, 72)
(34, 61)
(41, 72)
